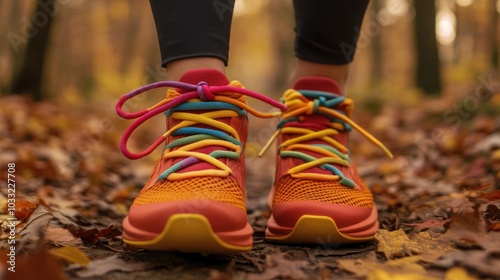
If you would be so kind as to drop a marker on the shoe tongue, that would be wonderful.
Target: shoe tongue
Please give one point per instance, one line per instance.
(318, 83)
(321, 84)
(211, 76)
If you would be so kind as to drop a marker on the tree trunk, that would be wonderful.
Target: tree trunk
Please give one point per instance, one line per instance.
(494, 40)
(428, 72)
(29, 77)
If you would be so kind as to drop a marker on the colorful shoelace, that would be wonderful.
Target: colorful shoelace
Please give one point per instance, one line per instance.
(214, 103)
(300, 103)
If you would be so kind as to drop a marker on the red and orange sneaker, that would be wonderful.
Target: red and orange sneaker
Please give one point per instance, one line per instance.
(195, 198)
(318, 196)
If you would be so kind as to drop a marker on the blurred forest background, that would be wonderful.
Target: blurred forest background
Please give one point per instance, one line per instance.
(75, 51)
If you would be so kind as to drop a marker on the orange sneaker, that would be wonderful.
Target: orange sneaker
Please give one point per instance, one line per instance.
(318, 196)
(195, 198)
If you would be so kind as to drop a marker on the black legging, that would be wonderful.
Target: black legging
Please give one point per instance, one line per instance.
(326, 30)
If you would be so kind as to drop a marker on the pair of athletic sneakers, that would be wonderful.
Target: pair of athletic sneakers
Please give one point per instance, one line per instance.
(195, 199)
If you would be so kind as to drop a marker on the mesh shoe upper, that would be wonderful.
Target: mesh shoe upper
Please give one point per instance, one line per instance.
(290, 189)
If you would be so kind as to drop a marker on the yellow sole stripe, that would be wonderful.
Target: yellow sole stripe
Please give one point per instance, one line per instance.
(311, 229)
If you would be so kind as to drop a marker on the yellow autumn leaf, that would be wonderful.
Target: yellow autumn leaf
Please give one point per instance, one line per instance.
(495, 156)
(71, 254)
(404, 268)
(397, 244)
(392, 243)
(380, 274)
(458, 273)
(392, 167)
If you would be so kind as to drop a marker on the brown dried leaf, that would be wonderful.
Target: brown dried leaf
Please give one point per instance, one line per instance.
(458, 203)
(61, 236)
(429, 224)
(53, 197)
(481, 261)
(24, 209)
(492, 195)
(359, 267)
(93, 235)
(114, 263)
(469, 229)
(277, 266)
(36, 224)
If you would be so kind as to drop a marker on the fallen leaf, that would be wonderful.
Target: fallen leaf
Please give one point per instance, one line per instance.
(429, 248)
(404, 268)
(93, 235)
(458, 273)
(24, 209)
(36, 225)
(476, 169)
(392, 243)
(429, 224)
(385, 275)
(61, 236)
(495, 155)
(410, 271)
(109, 232)
(398, 244)
(482, 261)
(390, 167)
(114, 263)
(119, 194)
(458, 202)
(420, 185)
(277, 266)
(492, 195)
(359, 267)
(467, 228)
(53, 197)
(71, 254)
(488, 143)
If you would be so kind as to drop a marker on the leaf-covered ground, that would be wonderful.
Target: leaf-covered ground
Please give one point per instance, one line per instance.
(438, 200)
